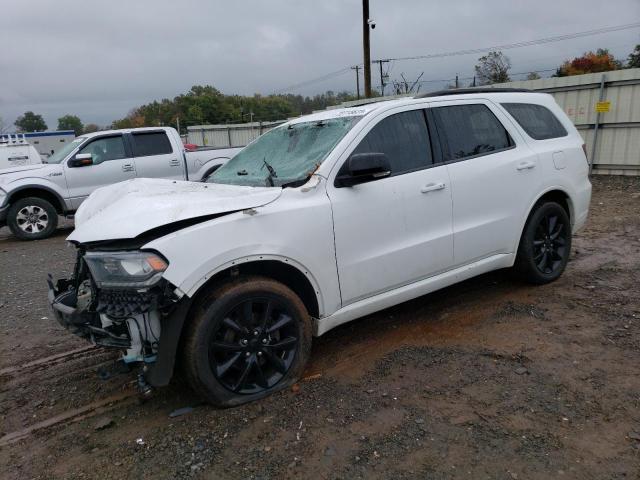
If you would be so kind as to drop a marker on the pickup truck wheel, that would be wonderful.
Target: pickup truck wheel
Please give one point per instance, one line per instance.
(248, 339)
(545, 244)
(32, 218)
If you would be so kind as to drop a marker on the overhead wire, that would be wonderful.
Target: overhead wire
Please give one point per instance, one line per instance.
(508, 46)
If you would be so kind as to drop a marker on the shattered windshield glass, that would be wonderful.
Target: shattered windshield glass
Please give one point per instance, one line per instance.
(285, 155)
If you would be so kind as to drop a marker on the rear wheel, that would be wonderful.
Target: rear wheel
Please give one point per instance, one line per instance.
(248, 339)
(32, 218)
(545, 244)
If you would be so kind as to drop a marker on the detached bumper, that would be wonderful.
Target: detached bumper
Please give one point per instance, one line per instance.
(87, 325)
(62, 305)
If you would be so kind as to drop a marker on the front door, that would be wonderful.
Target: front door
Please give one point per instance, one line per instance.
(111, 163)
(395, 230)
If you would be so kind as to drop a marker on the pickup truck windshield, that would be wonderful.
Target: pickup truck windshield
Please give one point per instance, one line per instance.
(64, 151)
(285, 155)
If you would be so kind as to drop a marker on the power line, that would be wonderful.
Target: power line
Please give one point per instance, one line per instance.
(509, 46)
(540, 41)
(306, 83)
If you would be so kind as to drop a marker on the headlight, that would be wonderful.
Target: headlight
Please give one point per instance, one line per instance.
(125, 269)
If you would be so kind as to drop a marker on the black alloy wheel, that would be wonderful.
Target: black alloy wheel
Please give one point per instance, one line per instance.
(254, 345)
(549, 243)
(246, 339)
(545, 244)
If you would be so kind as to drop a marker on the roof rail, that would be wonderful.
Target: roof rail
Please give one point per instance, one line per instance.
(460, 91)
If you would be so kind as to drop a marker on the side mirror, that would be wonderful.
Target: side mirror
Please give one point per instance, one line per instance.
(81, 160)
(364, 167)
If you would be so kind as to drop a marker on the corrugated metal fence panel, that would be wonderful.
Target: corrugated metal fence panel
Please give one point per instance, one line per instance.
(233, 135)
(618, 144)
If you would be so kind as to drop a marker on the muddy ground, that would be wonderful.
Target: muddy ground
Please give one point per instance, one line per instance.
(487, 379)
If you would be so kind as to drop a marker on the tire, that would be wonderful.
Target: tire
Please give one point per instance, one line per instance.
(32, 218)
(545, 244)
(246, 340)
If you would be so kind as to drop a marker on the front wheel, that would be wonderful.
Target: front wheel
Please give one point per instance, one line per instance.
(545, 244)
(247, 339)
(32, 218)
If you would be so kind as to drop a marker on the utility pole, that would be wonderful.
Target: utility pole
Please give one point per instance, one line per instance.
(367, 48)
(357, 69)
(382, 84)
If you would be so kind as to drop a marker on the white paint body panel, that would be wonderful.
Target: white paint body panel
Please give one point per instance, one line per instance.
(362, 248)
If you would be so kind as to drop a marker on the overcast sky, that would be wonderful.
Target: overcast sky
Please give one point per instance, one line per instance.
(99, 59)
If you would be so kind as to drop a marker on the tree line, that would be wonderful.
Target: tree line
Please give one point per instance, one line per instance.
(204, 104)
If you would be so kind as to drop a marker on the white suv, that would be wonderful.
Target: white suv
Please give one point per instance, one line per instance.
(325, 219)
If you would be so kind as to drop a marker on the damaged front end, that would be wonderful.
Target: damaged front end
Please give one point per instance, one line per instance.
(119, 299)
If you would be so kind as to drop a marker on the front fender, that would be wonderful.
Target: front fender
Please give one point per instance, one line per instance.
(299, 233)
(36, 183)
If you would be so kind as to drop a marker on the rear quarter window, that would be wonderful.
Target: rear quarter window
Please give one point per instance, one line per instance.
(151, 143)
(538, 121)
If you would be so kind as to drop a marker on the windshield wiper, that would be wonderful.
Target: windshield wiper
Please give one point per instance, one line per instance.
(272, 172)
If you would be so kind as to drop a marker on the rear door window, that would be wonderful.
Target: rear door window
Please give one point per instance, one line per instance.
(536, 120)
(150, 143)
(469, 131)
(404, 138)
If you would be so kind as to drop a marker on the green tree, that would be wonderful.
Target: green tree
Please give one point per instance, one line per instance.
(493, 68)
(533, 76)
(204, 104)
(90, 128)
(71, 122)
(634, 58)
(30, 122)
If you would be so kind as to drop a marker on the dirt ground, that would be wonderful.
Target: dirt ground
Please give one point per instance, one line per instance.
(487, 379)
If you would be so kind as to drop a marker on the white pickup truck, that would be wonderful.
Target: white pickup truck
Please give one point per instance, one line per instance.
(32, 196)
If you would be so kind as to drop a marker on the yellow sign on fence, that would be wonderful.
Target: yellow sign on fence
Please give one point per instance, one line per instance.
(603, 107)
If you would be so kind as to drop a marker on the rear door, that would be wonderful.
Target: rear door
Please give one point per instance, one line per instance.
(494, 177)
(155, 156)
(111, 163)
(395, 230)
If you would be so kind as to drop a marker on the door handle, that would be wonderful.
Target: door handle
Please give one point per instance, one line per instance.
(127, 168)
(432, 187)
(526, 166)
(174, 162)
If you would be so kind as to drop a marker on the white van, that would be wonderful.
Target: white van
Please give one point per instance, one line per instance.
(15, 151)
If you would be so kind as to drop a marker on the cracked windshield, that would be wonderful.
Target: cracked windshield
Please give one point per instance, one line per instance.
(286, 155)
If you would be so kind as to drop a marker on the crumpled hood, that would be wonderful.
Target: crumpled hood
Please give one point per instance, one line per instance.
(127, 209)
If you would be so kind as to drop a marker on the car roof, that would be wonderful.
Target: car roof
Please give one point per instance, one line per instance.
(499, 95)
(121, 130)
